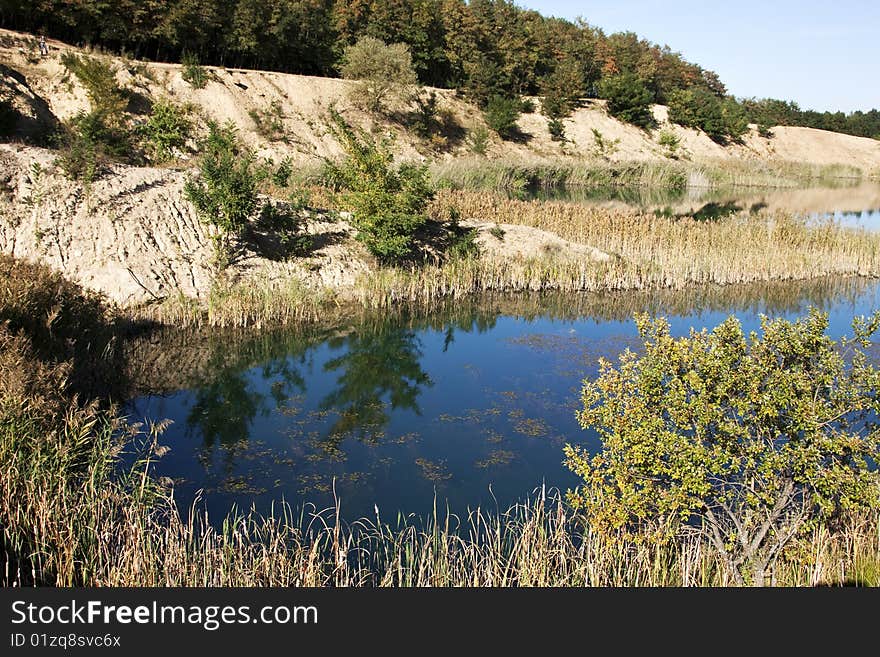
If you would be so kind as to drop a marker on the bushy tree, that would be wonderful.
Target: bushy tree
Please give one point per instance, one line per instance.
(225, 192)
(722, 119)
(561, 90)
(383, 71)
(387, 202)
(501, 114)
(628, 99)
(751, 440)
(167, 129)
(99, 79)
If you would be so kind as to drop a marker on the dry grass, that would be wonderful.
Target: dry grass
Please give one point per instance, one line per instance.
(648, 252)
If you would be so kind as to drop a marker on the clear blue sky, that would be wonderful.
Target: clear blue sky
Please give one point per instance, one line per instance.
(823, 55)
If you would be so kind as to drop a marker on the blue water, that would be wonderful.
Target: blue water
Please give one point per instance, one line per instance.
(466, 407)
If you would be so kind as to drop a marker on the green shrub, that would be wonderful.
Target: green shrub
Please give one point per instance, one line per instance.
(501, 114)
(556, 128)
(463, 244)
(603, 147)
(285, 223)
(385, 72)
(628, 99)
(225, 192)
(425, 121)
(167, 129)
(750, 439)
(670, 143)
(99, 79)
(527, 106)
(478, 140)
(387, 203)
(281, 175)
(193, 72)
(89, 142)
(269, 121)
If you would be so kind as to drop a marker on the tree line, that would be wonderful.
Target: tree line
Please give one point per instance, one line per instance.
(489, 49)
(484, 47)
(770, 112)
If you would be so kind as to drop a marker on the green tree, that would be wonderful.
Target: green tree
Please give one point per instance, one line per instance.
(387, 202)
(628, 99)
(225, 192)
(750, 440)
(501, 114)
(385, 71)
(722, 119)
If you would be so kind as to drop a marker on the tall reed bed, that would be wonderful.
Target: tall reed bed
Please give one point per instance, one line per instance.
(479, 174)
(646, 251)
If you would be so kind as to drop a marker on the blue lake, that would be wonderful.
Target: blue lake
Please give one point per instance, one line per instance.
(466, 406)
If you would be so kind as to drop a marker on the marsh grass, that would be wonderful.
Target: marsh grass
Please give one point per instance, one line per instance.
(480, 174)
(646, 252)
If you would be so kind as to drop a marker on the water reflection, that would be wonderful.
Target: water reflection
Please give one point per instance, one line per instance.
(375, 367)
(852, 203)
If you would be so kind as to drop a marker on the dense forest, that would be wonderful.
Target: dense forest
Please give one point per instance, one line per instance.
(486, 48)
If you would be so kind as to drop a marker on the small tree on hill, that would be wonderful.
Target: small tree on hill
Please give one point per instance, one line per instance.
(501, 114)
(384, 72)
(387, 202)
(750, 440)
(225, 192)
(561, 90)
(628, 99)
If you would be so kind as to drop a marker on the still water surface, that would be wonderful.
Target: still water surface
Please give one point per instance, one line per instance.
(468, 406)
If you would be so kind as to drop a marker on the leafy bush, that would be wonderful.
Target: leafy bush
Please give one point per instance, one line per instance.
(425, 121)
(284, 222)
(556, 128)
(225, 192)
(750, 440)
(193, 72)
(387, 203)
(722, 119)
(281, 175)
(167, 129)
(501, 114)
(527, 106)
(385, 72)
(628, 99)
(89, 142)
